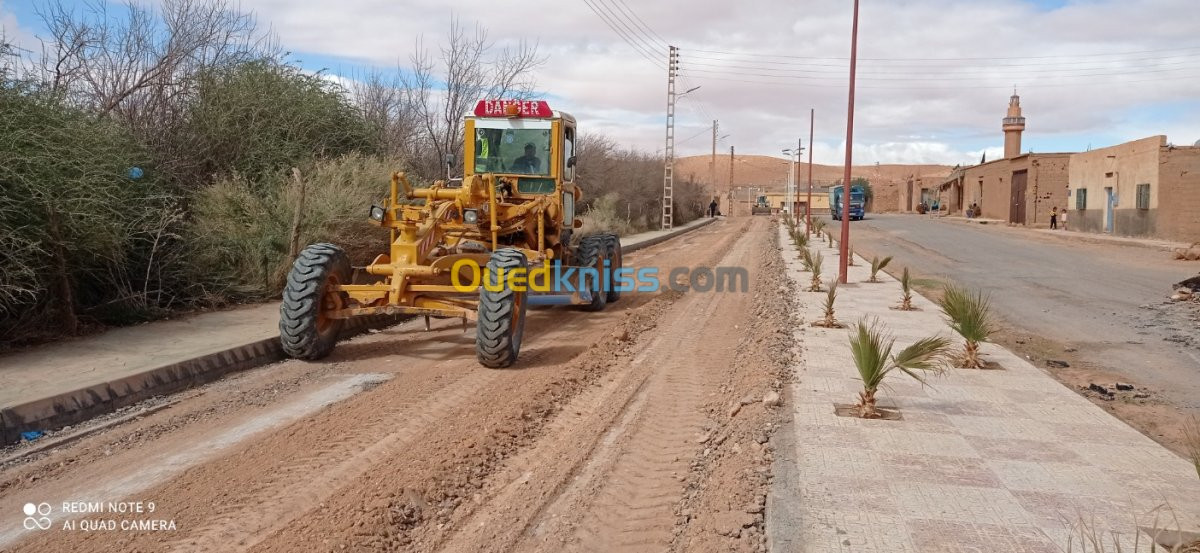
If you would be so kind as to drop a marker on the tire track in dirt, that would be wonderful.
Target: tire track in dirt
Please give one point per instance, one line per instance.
(290, 491)
(633, 506)
(582, 462)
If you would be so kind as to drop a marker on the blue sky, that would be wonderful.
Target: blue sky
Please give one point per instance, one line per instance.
(935, 75)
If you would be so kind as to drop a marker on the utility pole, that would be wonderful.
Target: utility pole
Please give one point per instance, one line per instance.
(796, 181)
(669, 149)
(731, 168)
(712, 164)
(808, 206)
(844, 247)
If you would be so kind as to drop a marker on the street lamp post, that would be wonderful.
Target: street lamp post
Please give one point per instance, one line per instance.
(844, 247)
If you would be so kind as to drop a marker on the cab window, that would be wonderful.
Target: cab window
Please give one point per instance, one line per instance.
(568, 153)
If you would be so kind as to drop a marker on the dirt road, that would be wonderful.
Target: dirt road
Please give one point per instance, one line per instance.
(1100, 308)
(639, 428)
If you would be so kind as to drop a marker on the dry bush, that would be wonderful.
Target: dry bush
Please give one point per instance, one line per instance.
(241, 229)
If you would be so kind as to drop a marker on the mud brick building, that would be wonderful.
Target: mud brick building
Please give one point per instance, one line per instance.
(1141, 188)
(1020, 189)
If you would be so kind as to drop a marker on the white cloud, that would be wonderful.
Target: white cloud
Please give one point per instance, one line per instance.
(935, 118)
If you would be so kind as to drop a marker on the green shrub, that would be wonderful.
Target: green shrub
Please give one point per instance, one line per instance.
(258, 118)
(82, 242)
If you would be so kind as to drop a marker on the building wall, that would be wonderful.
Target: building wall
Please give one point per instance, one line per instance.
(1122, 167)
(1047, 187)
(1179, 188)
(990, 186)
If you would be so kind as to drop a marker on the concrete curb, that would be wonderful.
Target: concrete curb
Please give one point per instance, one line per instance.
(660, 239)
(78, 405)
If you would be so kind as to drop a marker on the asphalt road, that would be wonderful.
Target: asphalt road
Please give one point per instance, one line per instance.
(1104, 300)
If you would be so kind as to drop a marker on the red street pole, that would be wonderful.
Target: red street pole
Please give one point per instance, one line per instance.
(808, 206)
(844, 247)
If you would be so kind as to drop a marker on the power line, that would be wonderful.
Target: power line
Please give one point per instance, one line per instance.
(928, 70)
(633, 44)
(630, 31)
(960, 78)
(1102, 54)
(758, 60)
(1035, 84)
(640, 24)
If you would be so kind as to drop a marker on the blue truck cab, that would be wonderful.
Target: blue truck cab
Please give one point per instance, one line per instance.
(857, 202)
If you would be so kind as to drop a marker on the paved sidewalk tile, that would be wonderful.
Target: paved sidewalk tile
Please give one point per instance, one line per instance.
(1004, 460)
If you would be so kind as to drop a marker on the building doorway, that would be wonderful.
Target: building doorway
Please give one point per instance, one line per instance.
(1017, 210)
(1110, 202)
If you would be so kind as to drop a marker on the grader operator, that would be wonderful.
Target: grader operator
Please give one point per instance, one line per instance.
(470, 250)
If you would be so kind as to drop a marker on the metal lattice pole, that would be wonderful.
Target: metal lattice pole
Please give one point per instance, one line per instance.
(669, 149)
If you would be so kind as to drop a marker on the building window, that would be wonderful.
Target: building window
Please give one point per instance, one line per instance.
(1143, 196)
(1080, 199)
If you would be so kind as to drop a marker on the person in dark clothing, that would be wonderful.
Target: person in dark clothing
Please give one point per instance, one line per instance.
(1054, 218)
(528, 163)
(712, 209)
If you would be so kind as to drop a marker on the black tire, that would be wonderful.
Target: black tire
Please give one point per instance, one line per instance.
(614, 263)
(592, 251)
(501, 315)
(304, 330)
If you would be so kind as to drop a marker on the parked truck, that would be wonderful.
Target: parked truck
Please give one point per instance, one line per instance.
(858, 202)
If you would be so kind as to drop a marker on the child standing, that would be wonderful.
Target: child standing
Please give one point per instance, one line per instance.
(1064, 218)
(1054, 217)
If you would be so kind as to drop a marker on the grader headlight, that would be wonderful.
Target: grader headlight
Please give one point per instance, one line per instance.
(377, 213)
(470, 216)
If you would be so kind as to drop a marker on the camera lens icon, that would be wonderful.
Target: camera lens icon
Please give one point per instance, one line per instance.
(39, 522)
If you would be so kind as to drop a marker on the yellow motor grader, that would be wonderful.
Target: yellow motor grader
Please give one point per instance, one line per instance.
(468, 249)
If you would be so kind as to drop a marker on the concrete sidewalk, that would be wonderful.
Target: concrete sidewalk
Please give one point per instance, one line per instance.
(983, 460)
(54, 385)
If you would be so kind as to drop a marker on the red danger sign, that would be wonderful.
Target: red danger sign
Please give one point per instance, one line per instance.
(513, 108)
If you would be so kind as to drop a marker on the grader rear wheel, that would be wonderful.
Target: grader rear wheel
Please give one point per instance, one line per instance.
(614, 264)
(592, 252)
(501, 312)
(305, 329)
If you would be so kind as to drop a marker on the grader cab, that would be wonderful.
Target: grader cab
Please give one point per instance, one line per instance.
(472, 249)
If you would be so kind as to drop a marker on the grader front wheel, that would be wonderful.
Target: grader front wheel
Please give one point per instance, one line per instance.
(305, 329)
(501, 312)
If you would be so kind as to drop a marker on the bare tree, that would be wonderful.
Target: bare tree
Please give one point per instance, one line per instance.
(386, 108)
(471, 68)
(140, 67)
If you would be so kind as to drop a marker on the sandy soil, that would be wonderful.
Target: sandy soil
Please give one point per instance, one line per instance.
(617, 431)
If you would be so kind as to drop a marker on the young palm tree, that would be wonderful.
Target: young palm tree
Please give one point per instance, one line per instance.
(1191, 436)
(906, 287)
(829, 320)
(878, 265)
(851, 260)
(806, 258)
(818, 226)
(800, 239)
(872, 349)
(815, 267)
(969, 314)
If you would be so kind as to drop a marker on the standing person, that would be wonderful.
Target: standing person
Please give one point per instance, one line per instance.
(712, 209)
(1054, 218)
(1064, 218)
